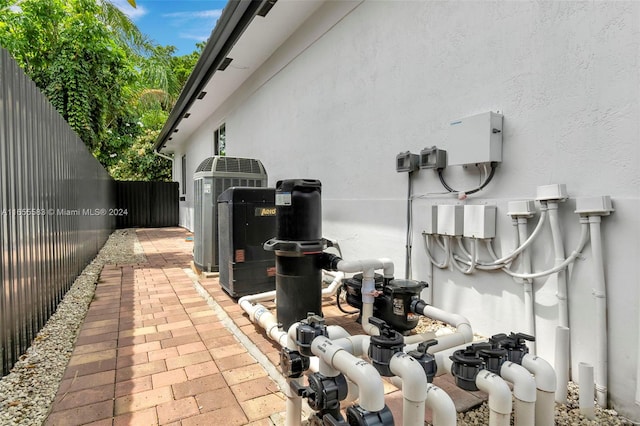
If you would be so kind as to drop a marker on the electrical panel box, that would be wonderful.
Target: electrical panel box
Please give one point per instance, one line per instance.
(431, 226)
(479, 221)
(450, 220)
(554, 192)
(475, 140)
(524, 208)
(407, 162)
(595, 206)
(433, 158)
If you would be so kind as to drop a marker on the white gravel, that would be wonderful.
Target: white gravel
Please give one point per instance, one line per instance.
(565, 415)
(27, 392)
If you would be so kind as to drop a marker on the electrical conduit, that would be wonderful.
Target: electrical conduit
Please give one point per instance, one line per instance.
(527, 284)
(600, 296)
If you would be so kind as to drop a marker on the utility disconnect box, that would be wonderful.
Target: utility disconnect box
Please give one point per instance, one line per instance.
(246, 219)
(479, 221)
(475, 140)
(450, 220)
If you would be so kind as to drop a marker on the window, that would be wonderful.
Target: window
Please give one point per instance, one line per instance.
(219, 140)
(183, 181)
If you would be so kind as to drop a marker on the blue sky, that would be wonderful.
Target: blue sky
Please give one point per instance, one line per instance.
(181, 23)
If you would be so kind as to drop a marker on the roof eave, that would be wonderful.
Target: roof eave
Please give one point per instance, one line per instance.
(235, 18)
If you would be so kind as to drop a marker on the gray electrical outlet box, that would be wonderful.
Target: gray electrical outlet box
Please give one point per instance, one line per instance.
(475, 140)
(433, 158)
(407, 162)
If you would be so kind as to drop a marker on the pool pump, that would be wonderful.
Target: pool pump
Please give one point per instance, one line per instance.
(393, 304)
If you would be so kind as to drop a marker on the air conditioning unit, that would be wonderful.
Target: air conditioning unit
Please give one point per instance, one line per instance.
(246, 220)
(212, 177)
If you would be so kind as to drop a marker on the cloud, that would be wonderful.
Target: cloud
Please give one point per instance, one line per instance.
(192, 36)
(197, 14)
(196, 18)
(127, 9)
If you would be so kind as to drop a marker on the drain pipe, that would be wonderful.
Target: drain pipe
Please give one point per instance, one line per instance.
(363, 374)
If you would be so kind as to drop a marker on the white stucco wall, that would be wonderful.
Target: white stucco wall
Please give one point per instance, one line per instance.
(390, 76)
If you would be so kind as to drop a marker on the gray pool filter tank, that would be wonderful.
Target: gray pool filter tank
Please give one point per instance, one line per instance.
(298, 246)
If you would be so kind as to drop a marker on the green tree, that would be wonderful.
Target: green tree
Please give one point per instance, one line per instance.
(113, 86)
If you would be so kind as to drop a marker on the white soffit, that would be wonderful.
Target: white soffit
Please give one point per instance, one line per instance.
(261, 39)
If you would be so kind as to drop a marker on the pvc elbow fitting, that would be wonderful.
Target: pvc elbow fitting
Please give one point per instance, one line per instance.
(543, 372)
(414, 380)
(498, 390)
(524, 385)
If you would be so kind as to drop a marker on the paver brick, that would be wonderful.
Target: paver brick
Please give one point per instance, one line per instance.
(264, 406)
(146, 417)
(243, 374)
(177, 410)
(142, 400)
(228, 416)
(198, 386)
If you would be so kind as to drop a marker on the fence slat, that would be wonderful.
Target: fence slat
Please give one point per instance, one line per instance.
(49, 182)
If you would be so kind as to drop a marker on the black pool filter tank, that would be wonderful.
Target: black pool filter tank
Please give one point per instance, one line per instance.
(298, 246)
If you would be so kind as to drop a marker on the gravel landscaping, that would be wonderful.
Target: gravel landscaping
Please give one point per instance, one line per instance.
(27, 392)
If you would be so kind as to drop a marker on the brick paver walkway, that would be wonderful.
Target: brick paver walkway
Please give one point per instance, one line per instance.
(158, 349)
(152, 351)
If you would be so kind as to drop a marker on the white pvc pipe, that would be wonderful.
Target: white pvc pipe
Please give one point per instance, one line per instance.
(527, 285)
(584, 237)
(371, 391)
(500, 404)
(445, 262)
(414, 387)
(260, 315)
(524, 391)
(600, 296)
(586, 391)
(546, 385)
(508, 258)
(473, 256)
(293, 406)
(561, 361)
(365, 265)
(558, 251)
(443, 410)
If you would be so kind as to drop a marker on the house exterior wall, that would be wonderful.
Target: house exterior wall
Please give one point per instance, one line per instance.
(390, 76)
